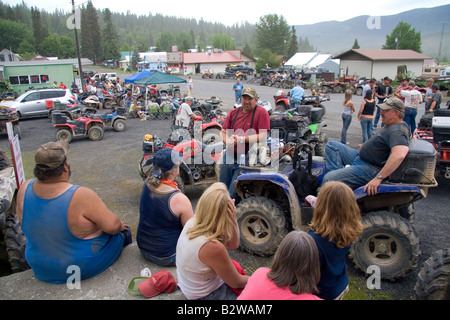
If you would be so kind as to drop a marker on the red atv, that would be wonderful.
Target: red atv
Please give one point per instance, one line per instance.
(86, 125)
(199, 160)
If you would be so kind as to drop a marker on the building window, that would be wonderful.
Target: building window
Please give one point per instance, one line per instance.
(14, 80)
(44, 78)
(24, 80)
(35, 79)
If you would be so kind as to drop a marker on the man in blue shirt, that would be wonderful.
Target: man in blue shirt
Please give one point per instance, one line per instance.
(237, 88)
(296, 95)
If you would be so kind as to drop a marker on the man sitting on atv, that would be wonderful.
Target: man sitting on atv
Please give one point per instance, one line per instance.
(378, 157)
(296, 95)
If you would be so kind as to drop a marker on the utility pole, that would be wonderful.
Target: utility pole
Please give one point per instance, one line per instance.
(78, 47)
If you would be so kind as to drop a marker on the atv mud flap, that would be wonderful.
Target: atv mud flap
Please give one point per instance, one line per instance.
(255, 182)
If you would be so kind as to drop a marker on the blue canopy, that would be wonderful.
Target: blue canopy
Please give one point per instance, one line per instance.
(137, 76)
(159, 77)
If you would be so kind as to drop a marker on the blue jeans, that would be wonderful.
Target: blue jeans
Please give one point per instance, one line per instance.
(338, 156)
(366, 126)
(410, 118)
(164, 262)
(221, 293)
(294, 103)
(346, 120)
(228, 173)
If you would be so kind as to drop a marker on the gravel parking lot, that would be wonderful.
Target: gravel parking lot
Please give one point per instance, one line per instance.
(109, 167)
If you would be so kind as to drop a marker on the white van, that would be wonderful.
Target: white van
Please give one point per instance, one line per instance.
(111, 76)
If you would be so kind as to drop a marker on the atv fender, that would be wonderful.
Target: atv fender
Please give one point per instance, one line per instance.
(262, 178)
(389, 197)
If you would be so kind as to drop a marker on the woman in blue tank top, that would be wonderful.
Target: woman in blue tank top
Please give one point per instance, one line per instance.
(163, 210)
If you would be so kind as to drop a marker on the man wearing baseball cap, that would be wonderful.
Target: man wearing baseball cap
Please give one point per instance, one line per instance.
(378, 157)
(243, 126)
(66, 225)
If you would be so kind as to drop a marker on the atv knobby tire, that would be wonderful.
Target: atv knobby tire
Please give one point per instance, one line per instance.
(64, 135)
(433, 280)
(389, 242)
(262, 225)
(95, 133)
(119, 125)
(15, 242)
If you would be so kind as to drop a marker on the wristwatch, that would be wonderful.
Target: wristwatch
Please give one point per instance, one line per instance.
(379, 176)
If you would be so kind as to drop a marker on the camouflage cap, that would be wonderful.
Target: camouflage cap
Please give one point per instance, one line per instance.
(392, 104)
(52, 154)
(251, 92)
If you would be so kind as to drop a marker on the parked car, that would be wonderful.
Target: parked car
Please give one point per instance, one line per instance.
(33, 102)
(235, 68)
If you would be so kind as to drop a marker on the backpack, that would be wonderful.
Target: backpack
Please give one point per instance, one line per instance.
(302, 179)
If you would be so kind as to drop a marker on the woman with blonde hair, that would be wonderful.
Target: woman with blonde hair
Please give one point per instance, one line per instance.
(349, 108)
(335, 225)
(204, 268)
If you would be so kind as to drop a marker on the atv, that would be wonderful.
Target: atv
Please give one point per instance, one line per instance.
(271, 207)
(199, 160)
(9, 115)
(86, 125)
(115, 119)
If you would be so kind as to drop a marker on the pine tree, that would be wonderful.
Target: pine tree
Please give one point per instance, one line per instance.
(40, 33)
(110, 47)
(293, 46)
(355, 44)
(90, 33)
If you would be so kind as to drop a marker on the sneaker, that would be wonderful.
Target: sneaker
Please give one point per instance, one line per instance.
(146, 272)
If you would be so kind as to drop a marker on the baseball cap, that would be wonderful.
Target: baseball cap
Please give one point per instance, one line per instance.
(165, 159)
(159, 282)
(52, 154)
(251, 92)
(392, 104)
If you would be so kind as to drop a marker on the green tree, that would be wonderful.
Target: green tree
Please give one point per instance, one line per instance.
(40, 32)
(222, 41)
(293, 44)
(403, 37)
(304, 45)
(268, 57)
(51, 46)
(272, 32)
(90, 33)
(355, 44)
(165, 42)
(13, 33)
(110, 46)
(183, 41)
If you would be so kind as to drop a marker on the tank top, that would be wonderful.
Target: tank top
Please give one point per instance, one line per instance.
(195, 279)
(369, 108)
(159, 227)
(51, 247)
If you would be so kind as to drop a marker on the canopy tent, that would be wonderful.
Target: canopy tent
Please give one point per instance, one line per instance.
(137, 76)
(159, 77)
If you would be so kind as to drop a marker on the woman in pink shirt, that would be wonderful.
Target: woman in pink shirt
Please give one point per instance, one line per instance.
(294, 275)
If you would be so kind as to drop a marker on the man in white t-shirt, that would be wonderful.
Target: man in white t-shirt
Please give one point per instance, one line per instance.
(412, 99)
(185, 114)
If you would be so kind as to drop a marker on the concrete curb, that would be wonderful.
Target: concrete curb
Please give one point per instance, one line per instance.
(112, 284)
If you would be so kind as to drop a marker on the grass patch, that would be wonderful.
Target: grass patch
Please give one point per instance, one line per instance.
(359, 291)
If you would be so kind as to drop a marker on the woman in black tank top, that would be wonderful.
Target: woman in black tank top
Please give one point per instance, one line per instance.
(365, 115)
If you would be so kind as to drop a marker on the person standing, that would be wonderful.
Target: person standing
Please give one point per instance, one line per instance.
(66, 225)
(237, 88)
(369, 86)
(428, 94)
(185, 114)
(383, 91)
(349, 108)
(403, 86)
(412, 99)
(365, 115)
(100, 94)
(243, 126)
(436, 99)
(296, 95)
(190, 85)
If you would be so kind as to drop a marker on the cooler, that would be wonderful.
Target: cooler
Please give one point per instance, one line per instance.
(418, 166)
(441, 128)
